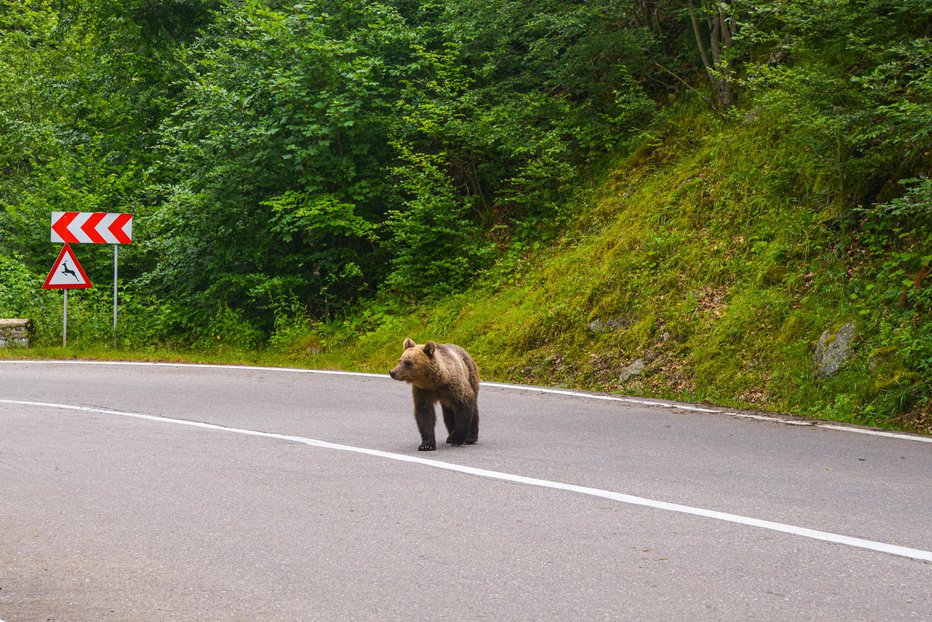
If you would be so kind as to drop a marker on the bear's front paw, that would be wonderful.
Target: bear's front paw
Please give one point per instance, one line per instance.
(427, 447)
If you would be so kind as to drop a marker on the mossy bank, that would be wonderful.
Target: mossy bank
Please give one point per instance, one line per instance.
(706, 267)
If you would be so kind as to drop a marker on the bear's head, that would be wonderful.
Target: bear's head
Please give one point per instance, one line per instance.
(416, 365)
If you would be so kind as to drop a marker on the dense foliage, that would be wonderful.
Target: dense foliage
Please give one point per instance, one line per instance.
(286, 161)
(287, 158)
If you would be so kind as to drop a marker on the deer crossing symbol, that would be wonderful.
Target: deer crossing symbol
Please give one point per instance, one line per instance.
(66, 270)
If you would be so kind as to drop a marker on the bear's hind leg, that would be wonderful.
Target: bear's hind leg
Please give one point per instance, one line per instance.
(462, 424)
(449, 417)
(473, 427)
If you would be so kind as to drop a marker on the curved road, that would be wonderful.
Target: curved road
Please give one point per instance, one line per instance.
(173, 492)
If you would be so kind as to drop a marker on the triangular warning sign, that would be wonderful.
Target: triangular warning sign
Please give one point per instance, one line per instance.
(67, 273)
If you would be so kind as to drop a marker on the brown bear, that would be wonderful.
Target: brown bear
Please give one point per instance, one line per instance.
(445, 374)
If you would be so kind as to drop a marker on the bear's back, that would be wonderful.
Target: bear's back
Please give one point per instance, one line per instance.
(459, 364)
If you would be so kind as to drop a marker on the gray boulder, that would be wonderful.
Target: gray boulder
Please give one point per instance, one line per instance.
(833, 350)
(636, 368)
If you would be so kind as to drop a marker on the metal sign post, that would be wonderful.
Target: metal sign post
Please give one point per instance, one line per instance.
(115, 254)
(64, 323)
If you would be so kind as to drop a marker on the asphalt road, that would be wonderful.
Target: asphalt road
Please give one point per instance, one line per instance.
(135, 492)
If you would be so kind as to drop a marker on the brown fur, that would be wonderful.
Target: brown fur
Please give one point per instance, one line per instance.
(445, 374)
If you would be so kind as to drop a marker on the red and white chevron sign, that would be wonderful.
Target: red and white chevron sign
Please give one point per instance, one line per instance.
(92, 228)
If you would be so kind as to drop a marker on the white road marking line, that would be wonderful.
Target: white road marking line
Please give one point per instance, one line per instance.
(831, 426)
(514, 387)
(814, 534)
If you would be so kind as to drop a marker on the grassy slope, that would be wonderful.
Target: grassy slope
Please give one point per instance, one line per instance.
(695, 262)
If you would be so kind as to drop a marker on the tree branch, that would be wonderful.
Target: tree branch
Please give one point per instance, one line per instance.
(689, 86)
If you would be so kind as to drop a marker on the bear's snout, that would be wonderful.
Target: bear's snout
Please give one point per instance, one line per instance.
(391, 373)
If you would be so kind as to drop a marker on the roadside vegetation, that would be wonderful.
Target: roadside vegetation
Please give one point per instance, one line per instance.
(662, 198)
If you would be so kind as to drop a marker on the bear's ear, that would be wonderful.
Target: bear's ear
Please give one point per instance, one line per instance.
(429, 348)
(409, 343)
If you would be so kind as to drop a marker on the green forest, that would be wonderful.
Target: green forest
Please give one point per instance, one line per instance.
(665, 198)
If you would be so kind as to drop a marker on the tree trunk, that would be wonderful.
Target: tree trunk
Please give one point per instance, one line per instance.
(649, 15)
(721, 27)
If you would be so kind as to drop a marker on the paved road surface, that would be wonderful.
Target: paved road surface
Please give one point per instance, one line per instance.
(135, 492)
